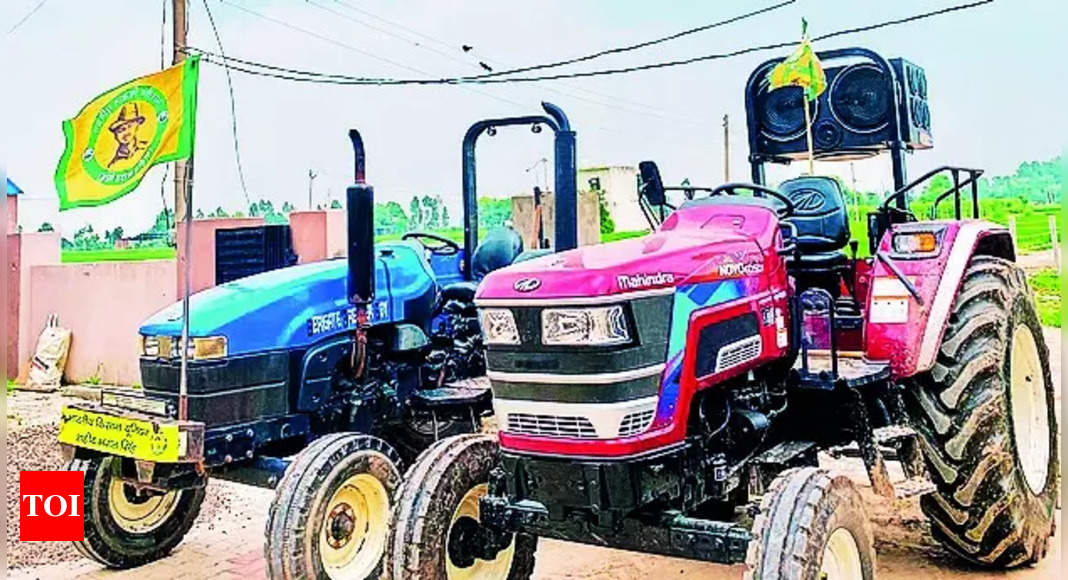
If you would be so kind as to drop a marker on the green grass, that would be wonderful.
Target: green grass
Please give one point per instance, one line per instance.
(616, 236)
(115, 255)
(11, 385)
(1047, 287)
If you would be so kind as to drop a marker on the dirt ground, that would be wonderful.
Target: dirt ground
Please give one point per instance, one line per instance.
(227, 540)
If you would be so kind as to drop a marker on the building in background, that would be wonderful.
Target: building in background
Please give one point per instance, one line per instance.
(619, 185)
(13, 192)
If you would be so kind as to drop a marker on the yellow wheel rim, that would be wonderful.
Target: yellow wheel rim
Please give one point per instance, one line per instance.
(139, 512)
(841, 557)
(352, 538)
(496, 569)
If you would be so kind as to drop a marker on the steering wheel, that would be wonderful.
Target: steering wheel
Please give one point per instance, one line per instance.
(443, 247)
(732, 189)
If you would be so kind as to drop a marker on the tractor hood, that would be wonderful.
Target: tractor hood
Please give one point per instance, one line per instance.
(298, 306)
(665, 258)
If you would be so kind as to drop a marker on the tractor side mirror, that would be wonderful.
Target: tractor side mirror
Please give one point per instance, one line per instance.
(652, 187)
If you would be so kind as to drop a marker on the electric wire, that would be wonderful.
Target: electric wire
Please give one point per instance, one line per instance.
(26, 17)
(466, 62)
(329, 40)
(233, 106)
(297, 75)
(614, 101)
(640, 45)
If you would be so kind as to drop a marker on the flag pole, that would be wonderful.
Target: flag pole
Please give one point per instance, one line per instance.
(183, 346)
(808, 135)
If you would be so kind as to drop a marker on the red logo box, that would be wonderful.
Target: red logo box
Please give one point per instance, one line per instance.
(50, 506)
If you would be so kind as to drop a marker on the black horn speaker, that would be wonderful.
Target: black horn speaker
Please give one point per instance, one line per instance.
(869, 103)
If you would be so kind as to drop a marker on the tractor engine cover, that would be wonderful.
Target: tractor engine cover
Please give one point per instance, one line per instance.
(598, 351)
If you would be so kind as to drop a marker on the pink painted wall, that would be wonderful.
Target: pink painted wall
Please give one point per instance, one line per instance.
(35, 249)
(12, 214)
(202, 273)
(11, 309)
(103, 304)
(318, 235)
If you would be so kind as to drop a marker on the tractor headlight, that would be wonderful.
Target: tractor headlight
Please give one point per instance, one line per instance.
(498, 326)
(905, 243)
(169, 347)
(149, 346)
(599, 326)
(208, 348)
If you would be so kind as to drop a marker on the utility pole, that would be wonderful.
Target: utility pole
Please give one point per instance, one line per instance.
(311, 177)
(183, 197)
(726, 149)
(183, 170)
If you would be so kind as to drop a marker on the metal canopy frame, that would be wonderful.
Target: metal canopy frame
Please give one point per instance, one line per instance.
(564, 177)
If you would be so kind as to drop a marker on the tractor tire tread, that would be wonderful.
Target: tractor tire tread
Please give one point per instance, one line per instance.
(800, 510)
(303, 489)
(416, 547)
(115, 551)
(982, 510)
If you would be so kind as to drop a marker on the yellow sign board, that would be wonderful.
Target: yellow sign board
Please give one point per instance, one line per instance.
(124, 436)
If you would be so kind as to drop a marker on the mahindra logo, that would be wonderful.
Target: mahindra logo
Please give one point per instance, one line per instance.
(808, 199)
(527, 284)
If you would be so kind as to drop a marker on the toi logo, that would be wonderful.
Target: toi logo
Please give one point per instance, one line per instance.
(50, 506)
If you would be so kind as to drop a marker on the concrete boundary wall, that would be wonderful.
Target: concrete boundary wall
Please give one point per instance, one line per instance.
(103, 303)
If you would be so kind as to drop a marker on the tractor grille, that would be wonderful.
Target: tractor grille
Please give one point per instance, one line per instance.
(737, 353)
(636, 422)
(551, 426)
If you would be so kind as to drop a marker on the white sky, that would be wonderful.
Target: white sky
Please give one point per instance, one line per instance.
(995, 74)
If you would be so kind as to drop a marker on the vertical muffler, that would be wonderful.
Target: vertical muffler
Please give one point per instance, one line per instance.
(360, 201)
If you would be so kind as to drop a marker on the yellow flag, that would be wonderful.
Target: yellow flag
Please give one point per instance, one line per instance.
(119, 135)
(802, 69)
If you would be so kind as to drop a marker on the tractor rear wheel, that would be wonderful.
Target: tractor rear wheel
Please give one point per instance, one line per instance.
(126, 527)
(811, 527)
(440, 500)
(331, 512)
(985, 414)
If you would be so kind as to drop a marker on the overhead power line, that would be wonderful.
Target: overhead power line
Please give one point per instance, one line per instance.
(27, 17)
(233, 105)
(460, 53)
(640, 45)
(297, 75)
(218, 58)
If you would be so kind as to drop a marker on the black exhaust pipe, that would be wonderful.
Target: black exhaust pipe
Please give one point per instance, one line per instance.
(360, 202)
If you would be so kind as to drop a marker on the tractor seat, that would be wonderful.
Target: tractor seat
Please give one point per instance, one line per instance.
(500, 248)
(822, 222)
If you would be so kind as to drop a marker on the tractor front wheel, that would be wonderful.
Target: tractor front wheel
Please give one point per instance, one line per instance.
(811, 527)
(126, 527)
(438, 506)
(331, 512)
(985, 414)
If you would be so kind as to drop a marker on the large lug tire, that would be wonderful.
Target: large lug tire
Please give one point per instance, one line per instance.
(443, 486)
(125, 528)
(811, 527)
(331, 512)
(985, 414)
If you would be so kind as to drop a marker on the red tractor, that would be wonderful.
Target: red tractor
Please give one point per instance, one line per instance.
(671, 394)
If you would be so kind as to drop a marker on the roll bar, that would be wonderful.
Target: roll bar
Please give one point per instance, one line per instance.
(565, 187)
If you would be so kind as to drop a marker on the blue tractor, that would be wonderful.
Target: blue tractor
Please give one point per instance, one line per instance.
(319, 380)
